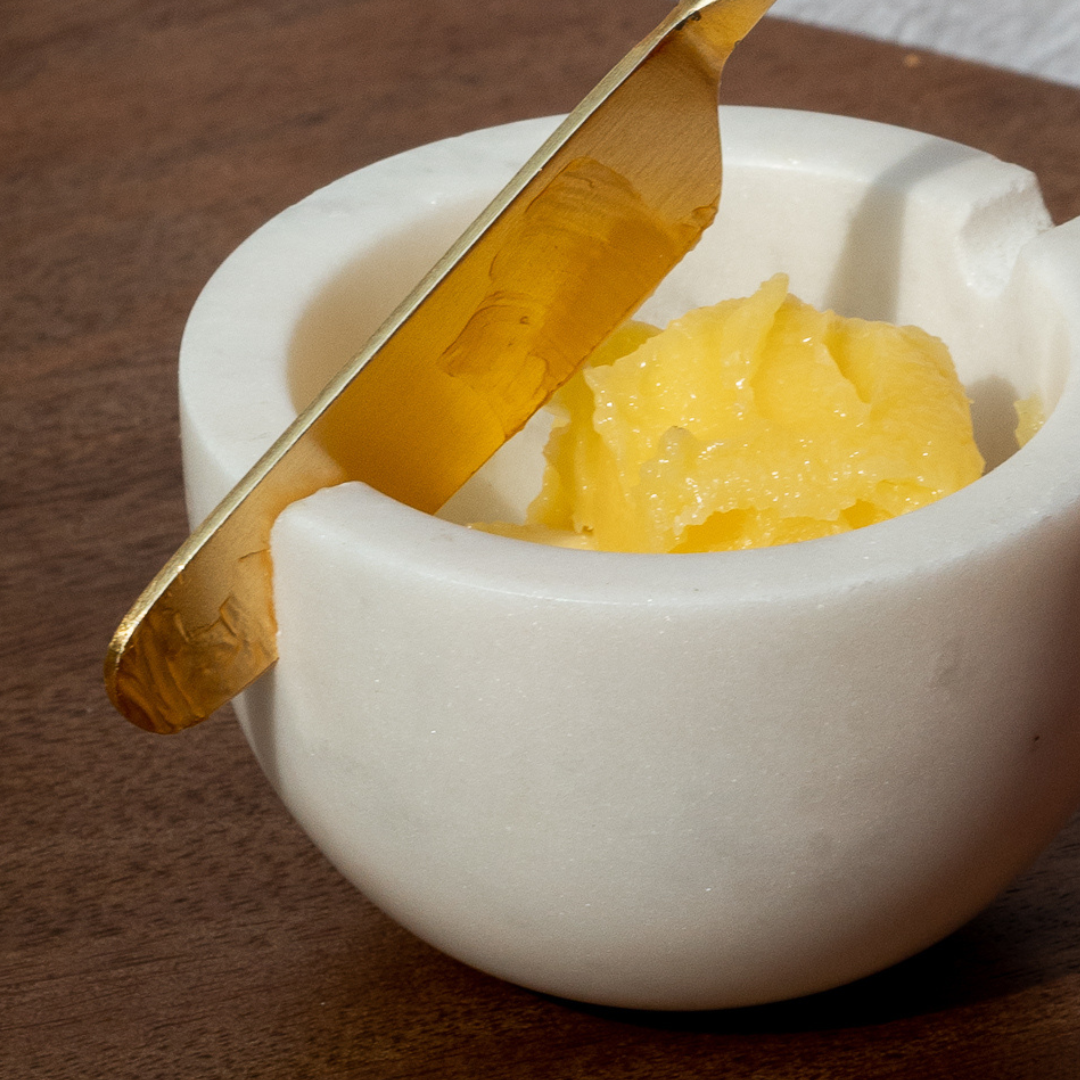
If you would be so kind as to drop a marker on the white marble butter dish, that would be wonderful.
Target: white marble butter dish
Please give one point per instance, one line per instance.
(674, 781)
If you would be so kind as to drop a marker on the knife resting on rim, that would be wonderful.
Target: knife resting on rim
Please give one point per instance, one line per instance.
(582, 235)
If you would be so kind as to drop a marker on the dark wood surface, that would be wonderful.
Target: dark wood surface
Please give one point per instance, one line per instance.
(160, 914)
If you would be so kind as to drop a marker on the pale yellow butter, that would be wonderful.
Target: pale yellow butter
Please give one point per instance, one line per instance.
(753, 422)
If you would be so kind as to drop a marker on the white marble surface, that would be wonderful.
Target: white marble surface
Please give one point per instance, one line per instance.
(1038, 37)
(675, 781)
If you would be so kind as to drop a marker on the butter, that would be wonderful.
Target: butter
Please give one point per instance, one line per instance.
(1030, 416)
(753, 422)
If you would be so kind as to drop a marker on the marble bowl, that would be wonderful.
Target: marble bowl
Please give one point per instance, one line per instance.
(674, 781)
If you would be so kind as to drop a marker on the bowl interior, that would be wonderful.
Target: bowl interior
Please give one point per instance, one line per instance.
(867, 220)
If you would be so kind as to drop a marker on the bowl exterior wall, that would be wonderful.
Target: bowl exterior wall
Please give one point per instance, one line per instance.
(667, 802)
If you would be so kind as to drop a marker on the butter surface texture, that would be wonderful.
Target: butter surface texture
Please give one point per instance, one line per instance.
(753, 422)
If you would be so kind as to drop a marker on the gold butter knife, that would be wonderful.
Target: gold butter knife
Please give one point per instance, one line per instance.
(570, 248)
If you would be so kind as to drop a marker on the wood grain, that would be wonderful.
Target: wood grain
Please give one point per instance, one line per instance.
(160, 914)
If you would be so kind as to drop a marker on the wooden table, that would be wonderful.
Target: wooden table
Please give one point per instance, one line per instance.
(160, 914)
